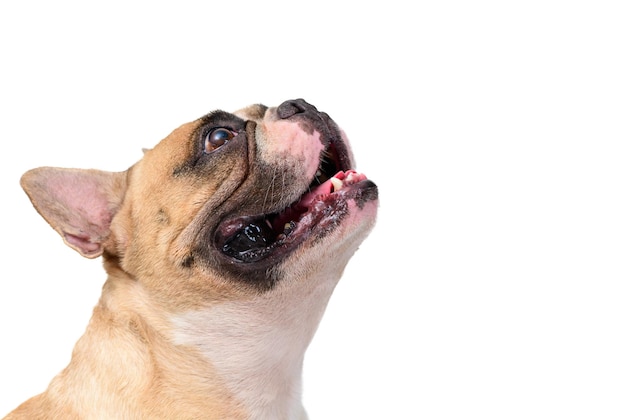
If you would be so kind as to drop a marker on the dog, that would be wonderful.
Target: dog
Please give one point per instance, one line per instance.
(222, 247)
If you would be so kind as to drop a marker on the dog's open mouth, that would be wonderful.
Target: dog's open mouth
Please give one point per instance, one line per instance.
(253, 238)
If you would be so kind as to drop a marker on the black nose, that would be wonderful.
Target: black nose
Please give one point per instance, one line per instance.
(294, 106)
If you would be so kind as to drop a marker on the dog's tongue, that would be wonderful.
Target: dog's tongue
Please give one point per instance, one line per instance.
(333, 184)
(322, 189)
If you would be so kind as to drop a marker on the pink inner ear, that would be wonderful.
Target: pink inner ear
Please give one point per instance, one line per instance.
(78, 203)
(88, 205)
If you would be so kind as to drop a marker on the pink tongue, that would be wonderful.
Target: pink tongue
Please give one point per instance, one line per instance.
(325, 188)
(307, 198)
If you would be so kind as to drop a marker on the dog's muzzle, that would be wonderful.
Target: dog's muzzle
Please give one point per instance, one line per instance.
(320, 208)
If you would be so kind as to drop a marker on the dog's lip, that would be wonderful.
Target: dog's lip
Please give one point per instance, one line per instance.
(251, 239)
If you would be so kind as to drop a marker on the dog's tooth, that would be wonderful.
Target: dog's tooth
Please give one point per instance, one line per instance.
(289, 226)
(318, 173)
(337, 183)
(353, 177)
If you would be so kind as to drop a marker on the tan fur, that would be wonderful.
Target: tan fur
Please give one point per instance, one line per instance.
(174, 337)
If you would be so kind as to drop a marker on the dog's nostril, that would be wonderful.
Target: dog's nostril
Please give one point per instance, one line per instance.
(292, 107)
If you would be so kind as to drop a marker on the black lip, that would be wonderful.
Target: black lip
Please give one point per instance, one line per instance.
(324, 215)
(271, 237)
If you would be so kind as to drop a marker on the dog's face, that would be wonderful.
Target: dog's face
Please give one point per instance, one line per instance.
(227, 206)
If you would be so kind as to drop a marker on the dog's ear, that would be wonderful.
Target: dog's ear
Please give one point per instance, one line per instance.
(78, 203)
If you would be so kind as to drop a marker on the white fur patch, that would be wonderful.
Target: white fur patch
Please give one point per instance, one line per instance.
(258, 345)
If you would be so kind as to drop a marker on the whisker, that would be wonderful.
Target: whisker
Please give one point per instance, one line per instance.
(282, 190)
(267, 191)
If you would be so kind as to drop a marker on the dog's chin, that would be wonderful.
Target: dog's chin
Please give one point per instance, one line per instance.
(272, 237)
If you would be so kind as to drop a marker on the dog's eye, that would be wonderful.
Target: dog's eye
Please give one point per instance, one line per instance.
(217, 138)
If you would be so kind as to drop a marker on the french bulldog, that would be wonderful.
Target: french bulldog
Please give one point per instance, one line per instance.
(222, 246)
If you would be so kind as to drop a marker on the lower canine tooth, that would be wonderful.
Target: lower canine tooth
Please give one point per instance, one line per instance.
(337, 183)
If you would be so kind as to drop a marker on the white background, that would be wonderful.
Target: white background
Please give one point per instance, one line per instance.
(493, 286)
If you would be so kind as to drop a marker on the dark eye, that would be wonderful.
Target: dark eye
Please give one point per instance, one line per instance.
(217, 138)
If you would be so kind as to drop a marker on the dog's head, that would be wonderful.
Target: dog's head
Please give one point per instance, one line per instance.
(229, 205)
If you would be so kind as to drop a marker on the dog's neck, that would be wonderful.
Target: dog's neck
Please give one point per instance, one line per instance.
(253, 348)
(258, 345)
